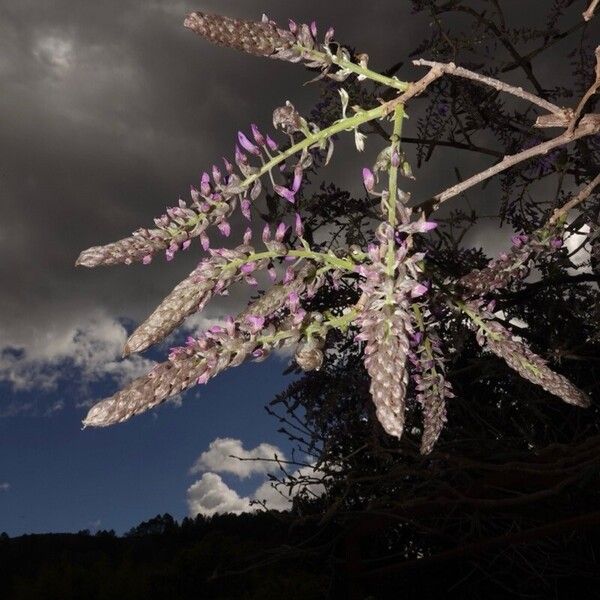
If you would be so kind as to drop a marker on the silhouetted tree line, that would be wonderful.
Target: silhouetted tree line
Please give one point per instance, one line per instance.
(159, 558)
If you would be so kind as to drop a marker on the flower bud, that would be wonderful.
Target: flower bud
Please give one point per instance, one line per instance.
(247, 145)
(368, 179)
(259, 138)
(309, 355)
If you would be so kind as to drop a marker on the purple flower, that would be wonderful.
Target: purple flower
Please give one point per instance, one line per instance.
(204, 241)
(245, 208)
(266, 234)
(203, 378)
(298, 226)
(519, 240)
(216, 173)
(230, 325)
(299, 316)
(416, 338)
(418, 290)
(247, 236)
(425, 226)
(147, 259)
(293, 301)
(205, 184)
(259, 138)
(280, 231)
(240, 157)
(170, 251)
(288, 276)
(293, 26)
(256, 323)
(395, 160)
(224, 228)
(186, 244)
(556, 243)
(272, 273)
(313, 29)
(247, 145)
(228, 166)
(285, 193)
(248, 268)
(271, 144)
(297, 178)
(368, 179)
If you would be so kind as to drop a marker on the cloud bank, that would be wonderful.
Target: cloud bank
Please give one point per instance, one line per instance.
(210, 495)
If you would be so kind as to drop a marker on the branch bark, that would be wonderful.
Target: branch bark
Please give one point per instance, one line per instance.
(452, 69)
(583, 130)
(589, 13)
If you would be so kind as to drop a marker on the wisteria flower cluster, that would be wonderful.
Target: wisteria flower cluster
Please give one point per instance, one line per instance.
(394, 319)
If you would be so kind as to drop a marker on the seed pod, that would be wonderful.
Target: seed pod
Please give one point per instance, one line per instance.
(309, 355)
(258, 38)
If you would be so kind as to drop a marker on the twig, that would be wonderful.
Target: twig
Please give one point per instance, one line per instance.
(416, 88)
(521, 61)
(583, 130)
(576, 200)
(562, 121)
(589, 13)
(452, 69)
(593, 89)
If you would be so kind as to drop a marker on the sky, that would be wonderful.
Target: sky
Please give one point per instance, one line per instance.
(108, 112)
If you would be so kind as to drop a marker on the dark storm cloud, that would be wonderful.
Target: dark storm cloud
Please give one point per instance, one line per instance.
(109, 111)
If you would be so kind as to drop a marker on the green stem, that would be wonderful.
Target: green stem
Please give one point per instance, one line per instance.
(392, 82)
(342, 322)
(426, 341)
(334, 261)
(341, 125)
(393, 183)
(475, 318)
(393, 171)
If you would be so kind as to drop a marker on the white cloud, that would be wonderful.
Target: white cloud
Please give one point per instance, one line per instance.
(579, 250)
(4, 486)
(55, 51)
(211, 495)
(90, 351)
(519, 323)
(223, 456)
(274, 498)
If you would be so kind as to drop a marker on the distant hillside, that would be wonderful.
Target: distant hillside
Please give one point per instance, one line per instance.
(158, 559)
